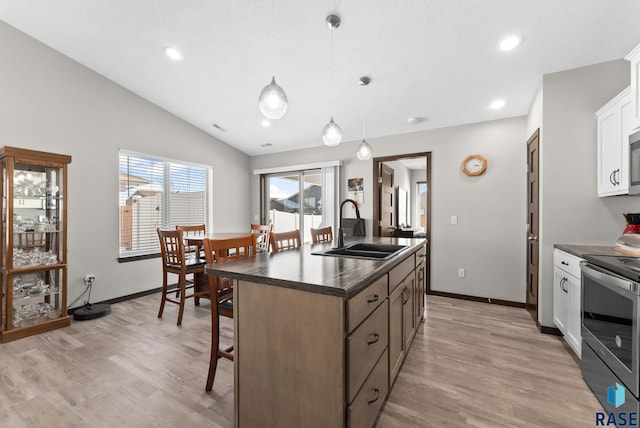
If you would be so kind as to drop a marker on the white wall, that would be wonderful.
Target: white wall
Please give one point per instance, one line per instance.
(489, 241)
(54, 104)
(571, 211)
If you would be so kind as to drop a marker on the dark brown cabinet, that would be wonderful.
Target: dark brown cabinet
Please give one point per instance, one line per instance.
(33, 254)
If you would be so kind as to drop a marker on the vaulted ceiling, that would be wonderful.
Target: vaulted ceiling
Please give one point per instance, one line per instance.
(437, 60)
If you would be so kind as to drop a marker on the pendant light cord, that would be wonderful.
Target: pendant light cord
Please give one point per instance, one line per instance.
(273, 37)
(363, 112)
(333, 95)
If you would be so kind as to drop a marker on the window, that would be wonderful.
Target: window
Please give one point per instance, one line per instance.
(302, 197)
(159, 193)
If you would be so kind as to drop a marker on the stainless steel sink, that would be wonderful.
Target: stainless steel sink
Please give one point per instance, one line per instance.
(369, 251)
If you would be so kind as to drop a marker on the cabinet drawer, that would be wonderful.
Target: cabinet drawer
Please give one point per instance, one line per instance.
(567, 262)
(400, 272)
(362, 304)
(364, 347)
(365, 407)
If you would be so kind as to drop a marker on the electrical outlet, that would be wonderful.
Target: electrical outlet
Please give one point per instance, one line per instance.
(89, 278)
(460, 273)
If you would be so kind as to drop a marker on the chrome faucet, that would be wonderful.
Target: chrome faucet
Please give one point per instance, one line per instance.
(340, 243)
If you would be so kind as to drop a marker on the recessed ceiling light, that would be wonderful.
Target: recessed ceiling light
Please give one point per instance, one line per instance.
(510, 42)
(265, 123)
(497, 104)
(173, 53)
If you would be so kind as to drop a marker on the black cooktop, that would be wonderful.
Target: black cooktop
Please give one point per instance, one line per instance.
(626, 266)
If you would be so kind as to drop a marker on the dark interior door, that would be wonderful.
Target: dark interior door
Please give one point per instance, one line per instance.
(386, 201)
(532, 224)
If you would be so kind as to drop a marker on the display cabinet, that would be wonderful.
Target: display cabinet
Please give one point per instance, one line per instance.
(33, 254)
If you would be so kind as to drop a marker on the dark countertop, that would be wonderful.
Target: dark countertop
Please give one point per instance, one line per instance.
(301, 270)
(581, 250)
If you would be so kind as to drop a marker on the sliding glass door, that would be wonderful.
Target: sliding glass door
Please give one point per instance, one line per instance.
(293, 200)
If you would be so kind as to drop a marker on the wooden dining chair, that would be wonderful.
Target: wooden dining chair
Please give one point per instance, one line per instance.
(220, 251)
(190, 230)
(322, 234)
(285, 240)
(175, 262)
(263, 233)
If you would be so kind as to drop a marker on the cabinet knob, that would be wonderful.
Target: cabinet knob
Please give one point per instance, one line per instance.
(532, 238)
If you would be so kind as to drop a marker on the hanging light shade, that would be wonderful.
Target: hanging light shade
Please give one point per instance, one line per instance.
(332, 134)
(364, 150)
(273, 101)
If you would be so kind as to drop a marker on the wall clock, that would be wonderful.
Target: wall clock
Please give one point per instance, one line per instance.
(474, 165)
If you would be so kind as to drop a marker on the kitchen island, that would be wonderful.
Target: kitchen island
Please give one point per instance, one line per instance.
(319, 340)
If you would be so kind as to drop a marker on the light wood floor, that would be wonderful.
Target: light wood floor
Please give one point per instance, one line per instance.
(471, 364)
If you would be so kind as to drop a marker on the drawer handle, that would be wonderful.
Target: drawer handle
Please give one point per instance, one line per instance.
(373, 299)
(377, 391)
(404, 302)
(422, 255)
(564, 263)
(376, 337)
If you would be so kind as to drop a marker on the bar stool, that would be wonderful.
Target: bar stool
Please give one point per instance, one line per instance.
(221, 289)
(322, 234)
(285, 240)
(262, 232)
(175, 262)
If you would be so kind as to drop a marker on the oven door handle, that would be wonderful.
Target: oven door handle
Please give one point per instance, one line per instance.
(609, 280)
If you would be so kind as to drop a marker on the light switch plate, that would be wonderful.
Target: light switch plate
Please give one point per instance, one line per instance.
(454, 219)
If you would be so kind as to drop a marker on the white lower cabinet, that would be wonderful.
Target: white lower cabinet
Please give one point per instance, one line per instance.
(567, 311)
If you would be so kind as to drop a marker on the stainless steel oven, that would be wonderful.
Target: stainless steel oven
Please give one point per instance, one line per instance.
(610, 304)
(634, 163)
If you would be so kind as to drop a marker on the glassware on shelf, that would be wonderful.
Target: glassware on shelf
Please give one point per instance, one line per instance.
(29, 312)
(35, 257)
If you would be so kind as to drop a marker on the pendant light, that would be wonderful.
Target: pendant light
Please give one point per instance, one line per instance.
(332, 134)
(364, 149)
(273, 101)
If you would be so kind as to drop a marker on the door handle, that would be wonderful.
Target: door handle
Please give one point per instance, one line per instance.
(533, 238)
(611, 180)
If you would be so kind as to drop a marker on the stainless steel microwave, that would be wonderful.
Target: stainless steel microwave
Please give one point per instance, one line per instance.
(634, 163)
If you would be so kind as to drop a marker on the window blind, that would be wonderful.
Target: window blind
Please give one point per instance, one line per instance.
(158, 193)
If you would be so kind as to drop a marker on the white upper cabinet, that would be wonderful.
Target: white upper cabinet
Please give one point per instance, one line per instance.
(614, 126)
(634, 60)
